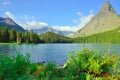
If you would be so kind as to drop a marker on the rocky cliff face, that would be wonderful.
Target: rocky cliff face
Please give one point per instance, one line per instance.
(105, 20)
(8, 22)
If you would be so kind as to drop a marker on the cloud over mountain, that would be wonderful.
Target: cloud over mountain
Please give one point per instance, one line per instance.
(83, 19)
(34, 24)
(9, 14)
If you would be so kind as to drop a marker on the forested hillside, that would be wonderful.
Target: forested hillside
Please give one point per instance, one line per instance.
(13, 36)
(50, 37)
(112, 36)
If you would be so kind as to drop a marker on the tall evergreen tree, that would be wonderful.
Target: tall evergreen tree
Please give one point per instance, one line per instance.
(19, 37)
(4, 34)
(12, 35)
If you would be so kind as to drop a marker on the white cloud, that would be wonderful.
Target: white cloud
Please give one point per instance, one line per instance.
(79, 13)
(28, 24)
(36, 25)
(81, 22)
(9, 14)
(75, 21)
(83, 19)
(66, 28)
(6, 3)
(33, 24)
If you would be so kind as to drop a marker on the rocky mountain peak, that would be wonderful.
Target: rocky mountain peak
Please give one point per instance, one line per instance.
(10, 24)
(106, 19)
(10, 21)
(107, 7)
(8, 18)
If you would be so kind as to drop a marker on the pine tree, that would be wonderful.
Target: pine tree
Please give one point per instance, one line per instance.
(19, 37)
(12, 35)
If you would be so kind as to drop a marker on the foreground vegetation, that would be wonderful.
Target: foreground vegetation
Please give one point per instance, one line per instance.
(83, 65)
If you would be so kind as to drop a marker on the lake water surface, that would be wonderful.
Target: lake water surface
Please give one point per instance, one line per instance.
(56, 53)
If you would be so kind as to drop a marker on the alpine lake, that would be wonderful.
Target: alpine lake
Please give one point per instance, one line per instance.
(55, 53)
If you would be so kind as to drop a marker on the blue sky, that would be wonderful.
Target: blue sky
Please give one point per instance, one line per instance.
(59, 14)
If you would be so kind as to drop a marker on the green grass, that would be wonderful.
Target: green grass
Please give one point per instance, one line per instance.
(111, 36)
(82, 65)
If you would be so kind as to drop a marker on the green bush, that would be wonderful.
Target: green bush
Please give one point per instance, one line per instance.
(13, 68)
(33, 67)
(82, 65)
(49, 73)
(85, 65)
(92, 62)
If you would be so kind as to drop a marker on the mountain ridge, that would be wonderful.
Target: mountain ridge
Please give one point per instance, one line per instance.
(47, 29)
(8, 22)
(105, 20)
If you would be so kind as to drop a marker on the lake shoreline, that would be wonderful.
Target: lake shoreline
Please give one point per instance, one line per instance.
(63, 43)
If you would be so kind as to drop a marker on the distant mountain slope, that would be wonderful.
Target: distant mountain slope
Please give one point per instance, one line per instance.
(46, 29)
(50, 37)
(8, 22)
(112, 36)
(105, 20)
(41, 30)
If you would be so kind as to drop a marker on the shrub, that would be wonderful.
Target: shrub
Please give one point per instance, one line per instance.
(15, 67)
(49, 72)
(92, 62)
(82, 65)
(33, 67)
